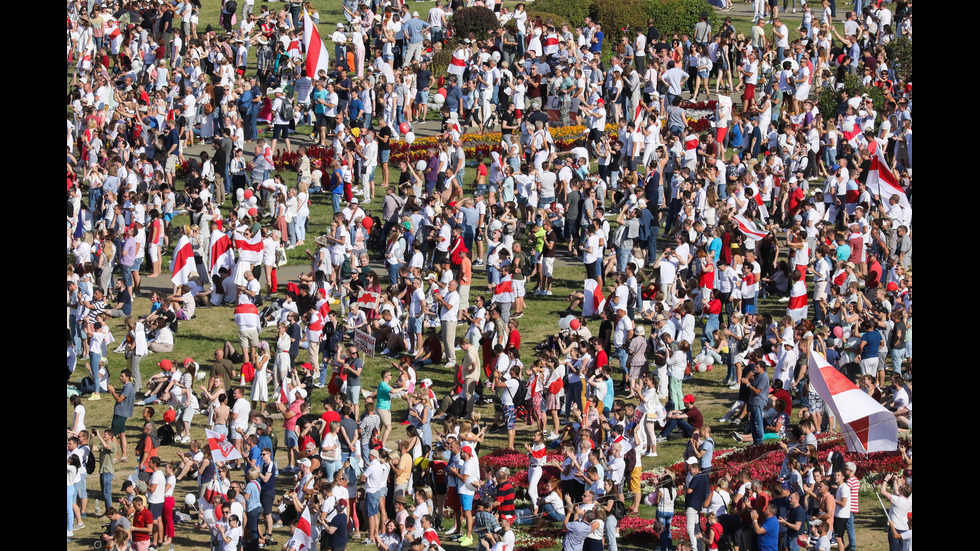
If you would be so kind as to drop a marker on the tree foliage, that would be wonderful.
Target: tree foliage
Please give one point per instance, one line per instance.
(477, 20)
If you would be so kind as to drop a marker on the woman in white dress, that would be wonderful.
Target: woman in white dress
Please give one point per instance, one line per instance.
(282, 355)
(260, 384)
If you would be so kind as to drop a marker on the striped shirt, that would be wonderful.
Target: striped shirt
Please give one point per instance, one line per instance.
(505, 496)
(855, 485)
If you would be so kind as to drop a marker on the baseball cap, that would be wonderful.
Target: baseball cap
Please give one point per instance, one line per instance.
(165, 365)
(688, 399)
(467, 450)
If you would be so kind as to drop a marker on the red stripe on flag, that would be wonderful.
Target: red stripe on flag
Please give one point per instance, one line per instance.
(836, 381)
(861, 430)
(797, 302)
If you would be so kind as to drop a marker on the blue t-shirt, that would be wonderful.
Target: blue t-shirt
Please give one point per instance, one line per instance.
(253, 492)
(708, 447)
(255, 454)
(715, 247)
(769, 540)
(873, 340)
(597, 47)
(607, 401)
(843, 252)
(452, 98)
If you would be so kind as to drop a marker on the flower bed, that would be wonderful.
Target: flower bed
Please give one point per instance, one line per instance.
(699, 114)
(764, 461)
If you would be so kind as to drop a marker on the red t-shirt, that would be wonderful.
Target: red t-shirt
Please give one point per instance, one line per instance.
(514, 339)
(713, 307)
(330, 416)
(142, 519)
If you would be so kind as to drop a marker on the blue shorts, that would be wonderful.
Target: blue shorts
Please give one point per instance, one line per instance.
(415, 325)
(168, 217)
(593, 269)
(385, 155)
(138, 263)
(81, 487)
(466, 502)
(127, 275)
(292, 440)
(373, 503)
(422, 97)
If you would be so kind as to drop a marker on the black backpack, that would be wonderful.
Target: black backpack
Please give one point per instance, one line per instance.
(231, 7)
(90, 462)
(166, 435)
(520, 399)
(618, 510)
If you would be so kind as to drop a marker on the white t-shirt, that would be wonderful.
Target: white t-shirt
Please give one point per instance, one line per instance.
(160, 479)
(242, 408)
(471, 470)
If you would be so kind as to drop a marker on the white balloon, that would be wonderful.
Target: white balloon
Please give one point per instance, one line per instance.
(495, 56)
(209, 516)
(190, 499)
(410, 137)
(420, 165)
(439, 99)
(702, 368)
(253, 201)
(563, 324)
(709, 360)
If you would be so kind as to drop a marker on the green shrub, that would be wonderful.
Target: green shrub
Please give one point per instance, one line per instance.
(570, 11)
(900, 54)
(477, 20)
(680, 16)
(620, 18)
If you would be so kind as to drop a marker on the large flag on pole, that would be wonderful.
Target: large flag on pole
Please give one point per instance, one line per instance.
(884, 183)
(317, 57)
(866, 424)
(221, 448)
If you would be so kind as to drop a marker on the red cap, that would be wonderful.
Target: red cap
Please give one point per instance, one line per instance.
(600, 100)
(892, 286)
(688, 399)
(468, 450)
(165, 365)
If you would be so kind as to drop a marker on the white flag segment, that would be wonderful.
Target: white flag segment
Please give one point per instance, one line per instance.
(867, 426)
(749, 228)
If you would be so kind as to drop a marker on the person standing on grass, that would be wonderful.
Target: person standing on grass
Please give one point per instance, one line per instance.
(123, 410)
(107, 470)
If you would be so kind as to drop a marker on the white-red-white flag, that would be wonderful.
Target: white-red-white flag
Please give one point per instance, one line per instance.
(222, 253)
(249, 249)
(749, 228)
(503, 292)
(183, 261)
(221, 448)
(303, 535)
(594, 291)
(884, 183)
(317, 57)
(866, 424)
(796, 308)
(247, 315)
(457, 65)
(368, 300)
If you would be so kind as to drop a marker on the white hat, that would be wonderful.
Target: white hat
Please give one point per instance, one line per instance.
(301, 393)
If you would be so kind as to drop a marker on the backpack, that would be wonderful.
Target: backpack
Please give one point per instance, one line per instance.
(90, 462)
(286, 110)
(618, 510)
(231, 7)
(166, 435)
(520, 399)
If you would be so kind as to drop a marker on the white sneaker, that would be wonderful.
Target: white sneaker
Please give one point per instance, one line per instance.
(734, 387)
(654, 454)
(451, 531)
(385, 352)
(548, 293)
(71, 534)
(784, 299)
(553, 436)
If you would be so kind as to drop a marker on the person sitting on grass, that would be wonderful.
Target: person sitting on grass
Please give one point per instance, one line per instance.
(776, 424)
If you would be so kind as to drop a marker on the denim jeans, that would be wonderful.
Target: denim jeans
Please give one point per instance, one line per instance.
(551, 513)
(393, 272)
(573, 394)
(851, 538)
(71, 514)
(758, 428)
(666, 543)
(335, 197)
(300, 227)
(612, 532)
(622, 355)
(291, 230)
(105, 479)
(710, 325)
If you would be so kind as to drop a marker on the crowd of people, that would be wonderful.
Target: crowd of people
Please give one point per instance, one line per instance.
(677, 236)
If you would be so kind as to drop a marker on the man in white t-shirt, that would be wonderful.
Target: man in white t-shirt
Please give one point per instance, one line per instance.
(239, 421)
(468, 479)
(156, 488)
(448, 318)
